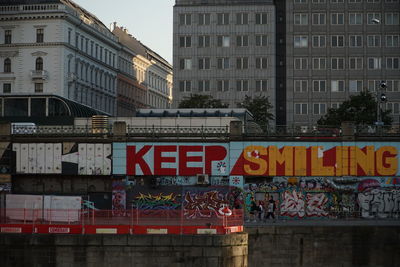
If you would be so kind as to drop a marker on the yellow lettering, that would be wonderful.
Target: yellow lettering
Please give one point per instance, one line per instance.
(253, 154)
(284, 157)
(317, 163)
(366, 160)
(386, 160)
(300, 163)
(353, 160)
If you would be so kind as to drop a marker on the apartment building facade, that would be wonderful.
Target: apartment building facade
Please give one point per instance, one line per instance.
(225, 49)
(337, 48)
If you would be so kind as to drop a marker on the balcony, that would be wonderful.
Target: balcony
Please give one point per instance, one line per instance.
(7, 76)
(39, 75)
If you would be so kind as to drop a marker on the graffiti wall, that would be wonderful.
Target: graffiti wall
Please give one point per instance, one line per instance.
(329, 197)
(62, 158)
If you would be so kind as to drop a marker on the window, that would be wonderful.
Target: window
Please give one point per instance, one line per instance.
(374, 40)
(319, 63)
(392, 41)
(319, 18)
(242, 18)
(242, 40)
(337, 41)
(261, 85)
(319, 40)
(185, 64)
(373, 84)
(39, 64)
(337, 86)
(301, 108)
(394, 107)
(185, 86)
(374, 63)
(7, 36)
(355, 40)
(354, 1)
(337, 1)
(337, 63)
(223, 18)
(223, 63)
(337, 18)
(204, 41)
(6, 88)
(355, 86)
(7, 65)
(204, 19)
(38, 87)
(261, 62)
(204, 86)
(242, 85)
(261, 40)
(373, 16)
(300, 63)
(318, 1)
(300, 1)
(392, 63)
(300, 86)
(204, 63)
(375, 1)
(319, 85)
(355, 18)
(242, 63)
(356, 63)
(261, 18)
(185, 19)
(223, 85)
(300, 19)
(319, 108)
(223, 41)
(184, 41)
(39, 35)
(392, 18)
(393, 85)
(300, 41)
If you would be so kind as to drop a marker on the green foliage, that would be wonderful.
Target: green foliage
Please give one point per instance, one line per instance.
(201, 101)
(359, 108)
(260, 107)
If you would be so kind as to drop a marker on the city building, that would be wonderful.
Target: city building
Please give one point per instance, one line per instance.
(145, 78)
(336, 48)
(55, 47)
(225, 49)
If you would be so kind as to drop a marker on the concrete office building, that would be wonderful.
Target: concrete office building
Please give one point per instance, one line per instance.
(336, 48)
(55, 47)
(225, 49)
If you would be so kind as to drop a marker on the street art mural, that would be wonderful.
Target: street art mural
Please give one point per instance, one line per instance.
(160, 201)
(118, 198)
(313, 159)
(62, 158)
(329, 197)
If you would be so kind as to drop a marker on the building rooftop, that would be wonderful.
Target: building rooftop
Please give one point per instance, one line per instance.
(221, 2)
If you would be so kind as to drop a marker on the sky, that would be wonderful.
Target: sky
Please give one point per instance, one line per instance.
(149, 21)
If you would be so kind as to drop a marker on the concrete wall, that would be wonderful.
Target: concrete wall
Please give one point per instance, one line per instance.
(123, 250)
(324, 246)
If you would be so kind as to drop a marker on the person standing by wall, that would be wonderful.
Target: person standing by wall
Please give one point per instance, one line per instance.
(271, 209)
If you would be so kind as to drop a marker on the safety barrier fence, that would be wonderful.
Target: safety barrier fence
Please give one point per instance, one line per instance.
(133, 221)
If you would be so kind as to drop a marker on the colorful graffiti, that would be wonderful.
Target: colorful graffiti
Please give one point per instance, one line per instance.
(380, 203)
(203, 204)
(292, 204)
(118, 198)
(157, 202)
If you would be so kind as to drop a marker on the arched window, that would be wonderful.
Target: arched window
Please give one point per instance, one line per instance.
(39, 63)
(7, 65)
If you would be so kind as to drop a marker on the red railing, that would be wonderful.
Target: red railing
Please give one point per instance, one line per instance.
(126, 219)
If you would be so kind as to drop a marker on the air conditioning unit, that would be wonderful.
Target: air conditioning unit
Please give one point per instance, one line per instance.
(203, 179)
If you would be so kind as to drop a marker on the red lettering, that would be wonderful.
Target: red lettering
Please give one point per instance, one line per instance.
(159, 160)
(213, 153)
(133, 158)
(184, 159)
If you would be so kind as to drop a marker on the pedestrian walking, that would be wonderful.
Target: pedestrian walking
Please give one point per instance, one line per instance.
(271, 209)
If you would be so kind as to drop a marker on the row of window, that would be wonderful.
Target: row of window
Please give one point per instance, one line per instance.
(320, 41)
(321, 108)
(93, 49)
(224, 85)
(7, 66)
(224, 40)
(338, 63)
(241, 18)
(37, 87)
(342, 1)
(339, 85)
(224, 63)
(95, 99)
(8, 36)
(356, 18)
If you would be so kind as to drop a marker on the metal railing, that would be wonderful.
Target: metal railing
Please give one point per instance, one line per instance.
(177, 131)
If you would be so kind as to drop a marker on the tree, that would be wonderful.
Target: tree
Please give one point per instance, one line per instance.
(260, 107)
(201, 101)
(359, 108)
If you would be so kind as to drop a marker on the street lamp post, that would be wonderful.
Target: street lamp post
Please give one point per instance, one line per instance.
(380, 97)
